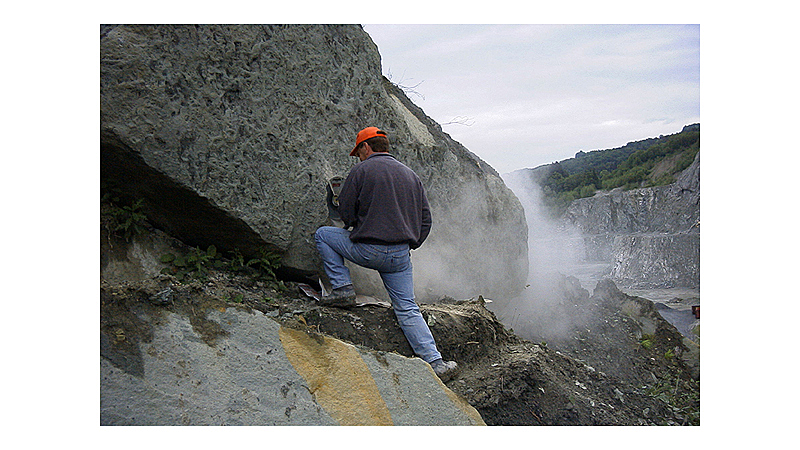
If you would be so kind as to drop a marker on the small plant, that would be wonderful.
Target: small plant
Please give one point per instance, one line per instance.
(237, 298)
(669, 354)
(194, 264)
(128, 219)
(266, 264)
(237, 263)
(646, 341)
(682, 395)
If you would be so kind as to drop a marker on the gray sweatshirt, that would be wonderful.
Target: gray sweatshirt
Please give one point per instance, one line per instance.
(385, 203)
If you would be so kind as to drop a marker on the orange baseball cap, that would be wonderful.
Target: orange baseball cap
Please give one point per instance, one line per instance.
(366, 133)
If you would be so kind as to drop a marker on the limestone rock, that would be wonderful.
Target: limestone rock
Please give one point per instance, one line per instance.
(652, 235)
(229, 133)
(657, 260)
(662, 209)
(256, 372)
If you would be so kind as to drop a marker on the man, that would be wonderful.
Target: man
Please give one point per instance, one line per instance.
(385, 204)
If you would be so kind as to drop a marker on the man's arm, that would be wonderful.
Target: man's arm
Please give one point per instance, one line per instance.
(348, 201)
(427, 222)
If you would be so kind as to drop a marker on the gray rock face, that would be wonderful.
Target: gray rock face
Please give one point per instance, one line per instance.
(652, 234)
(229, 132)
(657, 260)
(257, 373)
(663, 209)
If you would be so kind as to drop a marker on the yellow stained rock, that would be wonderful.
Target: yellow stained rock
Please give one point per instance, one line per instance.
(337, 377)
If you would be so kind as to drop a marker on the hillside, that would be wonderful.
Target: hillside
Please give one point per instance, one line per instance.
(646, 163)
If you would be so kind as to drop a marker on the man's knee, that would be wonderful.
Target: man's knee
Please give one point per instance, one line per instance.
(406, 308)
(320, 234)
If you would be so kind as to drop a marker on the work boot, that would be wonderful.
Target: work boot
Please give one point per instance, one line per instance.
(341, 297)
(445, 370)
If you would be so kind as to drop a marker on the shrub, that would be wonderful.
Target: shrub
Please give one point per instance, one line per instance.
(195, 264)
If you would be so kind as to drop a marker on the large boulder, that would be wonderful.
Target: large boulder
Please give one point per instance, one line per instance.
(229, 133)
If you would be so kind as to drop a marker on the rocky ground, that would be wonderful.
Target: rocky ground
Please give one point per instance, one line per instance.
(607, 378)
(616, 361)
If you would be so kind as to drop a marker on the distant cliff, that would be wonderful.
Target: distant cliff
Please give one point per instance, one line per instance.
(645, 163)
(652, 235)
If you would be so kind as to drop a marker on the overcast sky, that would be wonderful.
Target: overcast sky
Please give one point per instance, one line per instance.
(526, 95)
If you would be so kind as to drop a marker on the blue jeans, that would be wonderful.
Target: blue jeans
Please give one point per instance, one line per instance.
(393, 263)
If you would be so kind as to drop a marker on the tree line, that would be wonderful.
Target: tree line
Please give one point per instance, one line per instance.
(646, 163)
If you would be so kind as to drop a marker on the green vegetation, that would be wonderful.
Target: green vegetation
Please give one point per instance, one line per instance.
(120, 217)
(196, 263)
(236, 298)
(651, 162)
(646, 341)
(681, 394)
(266, 264)
(237, 263)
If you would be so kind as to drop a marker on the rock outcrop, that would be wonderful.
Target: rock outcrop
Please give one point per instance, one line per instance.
(652, 235)
(214, 364)
(228, 134)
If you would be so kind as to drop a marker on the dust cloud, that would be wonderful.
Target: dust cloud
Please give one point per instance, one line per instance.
(463, 262)
(556, 254)
(476, 246)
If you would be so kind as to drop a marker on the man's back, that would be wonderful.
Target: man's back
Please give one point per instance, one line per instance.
(385, 203)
